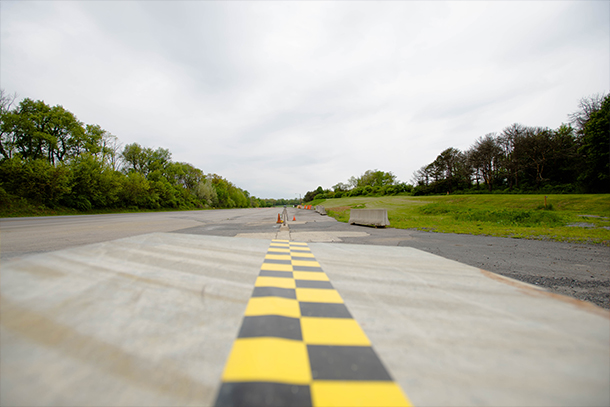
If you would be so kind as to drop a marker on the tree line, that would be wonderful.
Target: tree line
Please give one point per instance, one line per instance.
(371, 183)
(49, 158)
(570, 159)
(574, 158)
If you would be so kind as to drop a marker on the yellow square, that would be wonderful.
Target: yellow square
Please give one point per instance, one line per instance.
(301, 254)
(318, 295)
(310, 275)
(279, 245)
(280, 282)
(268, 360)
(333, 331)
(357, 394)
(278, 256)
(298, 244)
(278, 250)
(305, 263)
(273, 306)
(300, 249)
(276, 267)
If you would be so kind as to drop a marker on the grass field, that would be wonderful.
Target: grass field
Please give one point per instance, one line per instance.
(518, 216)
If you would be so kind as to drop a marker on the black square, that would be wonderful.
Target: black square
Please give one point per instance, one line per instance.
(275, 273)
(274, 261)
(274, 292)
(346, 363)
(263, 394)
(313, 284)
(274, 326)
(305, 268)
(324, 310)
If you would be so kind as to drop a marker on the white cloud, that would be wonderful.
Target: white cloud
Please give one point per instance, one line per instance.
(280, 97)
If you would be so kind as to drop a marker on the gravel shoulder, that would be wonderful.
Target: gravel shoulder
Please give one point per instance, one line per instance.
(576, 270)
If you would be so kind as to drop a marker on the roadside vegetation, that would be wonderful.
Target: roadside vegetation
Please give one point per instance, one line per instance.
(498, 186)
(572, 159)
(53, 164)
(568, 218)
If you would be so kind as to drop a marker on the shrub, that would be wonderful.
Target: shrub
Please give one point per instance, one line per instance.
(35, 180)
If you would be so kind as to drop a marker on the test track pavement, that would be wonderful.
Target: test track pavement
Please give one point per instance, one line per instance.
(145, 309)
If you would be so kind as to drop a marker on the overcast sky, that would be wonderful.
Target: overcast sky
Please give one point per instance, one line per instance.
(280, 97)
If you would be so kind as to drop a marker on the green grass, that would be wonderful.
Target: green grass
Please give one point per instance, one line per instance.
(518, 216)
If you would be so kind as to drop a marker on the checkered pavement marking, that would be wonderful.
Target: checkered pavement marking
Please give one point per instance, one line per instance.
(298, 344)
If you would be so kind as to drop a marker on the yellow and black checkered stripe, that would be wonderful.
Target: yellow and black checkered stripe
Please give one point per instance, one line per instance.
(299, 345)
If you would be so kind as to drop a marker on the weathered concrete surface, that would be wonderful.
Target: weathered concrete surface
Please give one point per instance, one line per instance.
(373, 217)
(142, 321)
(454, 335)
(150, 320)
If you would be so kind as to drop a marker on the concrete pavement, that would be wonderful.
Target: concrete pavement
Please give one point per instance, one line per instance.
(150, 320)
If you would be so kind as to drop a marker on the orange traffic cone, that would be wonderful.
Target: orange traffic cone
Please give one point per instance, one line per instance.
(279, 220)
(294, 218)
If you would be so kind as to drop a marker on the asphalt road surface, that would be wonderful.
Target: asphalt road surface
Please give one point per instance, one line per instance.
(579, 271)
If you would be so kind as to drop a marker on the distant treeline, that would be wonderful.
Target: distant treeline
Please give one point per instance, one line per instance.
(530, 159)
(575, 158)
(50, 159)
(371, 183)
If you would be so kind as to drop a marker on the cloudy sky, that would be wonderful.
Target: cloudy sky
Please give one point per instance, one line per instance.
(280, 97)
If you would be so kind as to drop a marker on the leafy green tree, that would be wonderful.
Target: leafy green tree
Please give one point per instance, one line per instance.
(484, 157)
(206, 192)
(340, 187)
(145, 160)
(310, 196)
(564, 161)
(7, 136)
(512, 157)
(537, 149)
(595, 149)
(93, 184)
(376, 178)
(36, 180)
(39, 131)
(136, 192)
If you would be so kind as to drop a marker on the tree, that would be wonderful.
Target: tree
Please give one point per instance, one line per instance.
(39, 131)
(310, 196)
(110, 150)
(451, 166)
(145, 160)
(7, 136)
(595, 149)
(564, 162)
(510, 141)
(206, 192)
(537, 148)
(67, 135)
(340, 187)
(92, 184)
(485, 156)
(374, 178)
(587, 106)
(422, 176)
(36, 180)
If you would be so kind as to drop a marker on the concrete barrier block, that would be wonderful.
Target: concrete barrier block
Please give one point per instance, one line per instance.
(369, 217)
(321, 210)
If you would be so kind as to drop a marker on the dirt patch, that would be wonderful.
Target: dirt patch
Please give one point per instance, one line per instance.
(339, 209)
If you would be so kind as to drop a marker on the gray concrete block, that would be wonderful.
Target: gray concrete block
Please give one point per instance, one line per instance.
(372, 217)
